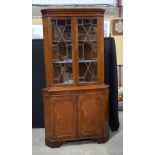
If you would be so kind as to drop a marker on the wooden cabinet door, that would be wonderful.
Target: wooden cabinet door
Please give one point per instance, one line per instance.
(64, 117)
(90, 113)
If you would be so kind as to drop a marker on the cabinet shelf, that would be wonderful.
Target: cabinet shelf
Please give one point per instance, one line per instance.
(88, 24)
(69, 41)
(56, 41)
(62, 61)
(88, 41)
(86, 82)
(70, 61)
(90, 60)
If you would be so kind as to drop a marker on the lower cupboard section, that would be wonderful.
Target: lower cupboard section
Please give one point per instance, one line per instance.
(76, 117)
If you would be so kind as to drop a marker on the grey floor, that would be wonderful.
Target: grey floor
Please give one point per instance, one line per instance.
(113, 147)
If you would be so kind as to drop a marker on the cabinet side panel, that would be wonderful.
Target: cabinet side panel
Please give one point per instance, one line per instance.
(100, 48)
(48, 117)
(47, 53)
(106, 114)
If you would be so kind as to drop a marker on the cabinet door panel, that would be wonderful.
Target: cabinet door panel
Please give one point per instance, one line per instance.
(90, 115)
(64, 117)
(87, 50)
(62, 51)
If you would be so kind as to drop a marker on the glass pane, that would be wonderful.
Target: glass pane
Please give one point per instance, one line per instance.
(87, 42)
(62, 51)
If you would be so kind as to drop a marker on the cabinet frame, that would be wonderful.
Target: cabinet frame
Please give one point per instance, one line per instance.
(68, 95)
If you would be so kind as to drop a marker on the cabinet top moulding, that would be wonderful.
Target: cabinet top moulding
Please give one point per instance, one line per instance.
(70, 12)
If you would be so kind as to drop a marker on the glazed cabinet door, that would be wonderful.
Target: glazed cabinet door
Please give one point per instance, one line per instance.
(62, 51)
(90, 115)
(90, 50)
(87, 50)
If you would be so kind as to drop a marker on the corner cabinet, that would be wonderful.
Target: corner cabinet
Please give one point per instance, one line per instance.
(75, 97)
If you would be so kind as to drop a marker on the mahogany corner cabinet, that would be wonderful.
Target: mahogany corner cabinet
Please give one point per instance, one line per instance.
(75, 98)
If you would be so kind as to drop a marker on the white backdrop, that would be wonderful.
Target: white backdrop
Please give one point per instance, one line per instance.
(60, 2)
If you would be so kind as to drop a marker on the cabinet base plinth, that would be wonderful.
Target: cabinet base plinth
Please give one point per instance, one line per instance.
(53, 144)
(102, 140)
(58, 143)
